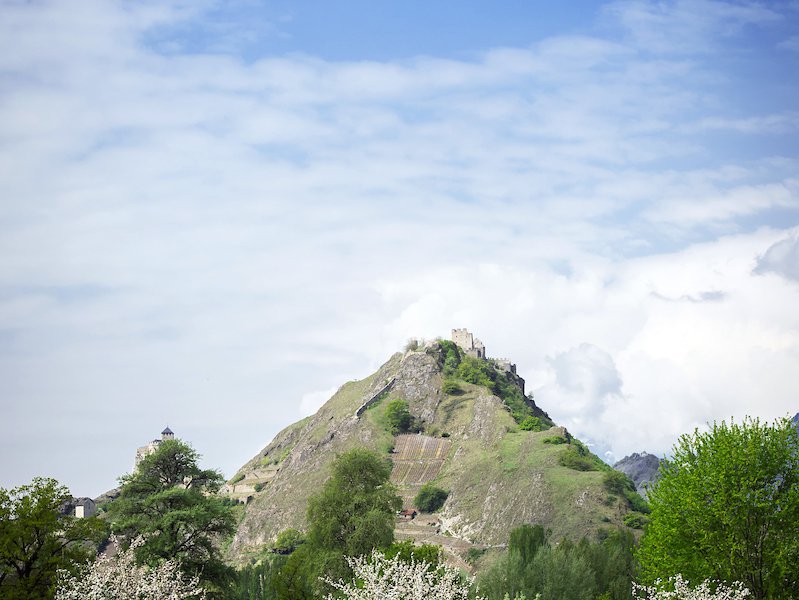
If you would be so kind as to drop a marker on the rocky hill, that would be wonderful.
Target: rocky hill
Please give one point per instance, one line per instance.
(641, 468)
(499, 474)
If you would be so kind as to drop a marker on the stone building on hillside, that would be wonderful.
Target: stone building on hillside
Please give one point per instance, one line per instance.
(144, 451)
(468, 343)
(78, 507)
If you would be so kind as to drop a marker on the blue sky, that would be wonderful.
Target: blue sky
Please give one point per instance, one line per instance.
(214, 214)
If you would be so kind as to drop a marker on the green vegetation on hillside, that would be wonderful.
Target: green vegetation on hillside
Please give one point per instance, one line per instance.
(456, 365)
(398, 418)
(430, 498)
(617, 482)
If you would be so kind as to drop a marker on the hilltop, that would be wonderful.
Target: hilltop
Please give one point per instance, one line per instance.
(474, 433)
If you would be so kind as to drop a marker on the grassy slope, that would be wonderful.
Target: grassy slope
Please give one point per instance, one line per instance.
(499, 477)
(307, 450)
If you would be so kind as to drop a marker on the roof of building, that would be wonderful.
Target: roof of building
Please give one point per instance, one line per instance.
(167, 431)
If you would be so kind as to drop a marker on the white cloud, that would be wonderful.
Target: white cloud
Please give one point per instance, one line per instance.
(781, 258)
(687, 26)
(628, 355)
(208, 241)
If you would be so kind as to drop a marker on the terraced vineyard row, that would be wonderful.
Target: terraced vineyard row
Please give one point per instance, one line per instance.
(420, 447)
(417, 458)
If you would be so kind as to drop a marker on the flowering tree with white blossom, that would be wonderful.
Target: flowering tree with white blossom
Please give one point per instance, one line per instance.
(381, 578)
(682, 591)
(118, 577)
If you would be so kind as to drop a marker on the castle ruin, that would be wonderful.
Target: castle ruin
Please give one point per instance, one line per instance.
(468, 343)
(474, 347)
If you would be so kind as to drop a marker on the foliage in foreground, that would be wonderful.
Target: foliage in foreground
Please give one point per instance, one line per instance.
(381, 578)
(172, 503)
(120, 578)
(678, 589)
(352, 515)
(726, 507)
(36, 540)
(566, 571)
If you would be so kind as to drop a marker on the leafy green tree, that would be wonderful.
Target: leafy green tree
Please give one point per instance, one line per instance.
(172, 503)
(398, 417)
(355, 510)
(351, 515)
(726, 508)
(288, 541)
(36, 540)
(430, 498)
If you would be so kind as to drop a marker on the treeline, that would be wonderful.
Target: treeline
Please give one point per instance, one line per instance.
(723, 518)
(565, 571)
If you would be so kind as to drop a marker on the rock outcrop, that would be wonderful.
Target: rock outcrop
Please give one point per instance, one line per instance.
(641, 468)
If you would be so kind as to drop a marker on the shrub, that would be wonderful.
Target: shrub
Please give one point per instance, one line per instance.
(258, 487)
(556, 439)
(237, 478)
(635, 520)
(287, 541)
(473, 554)
(573, 459)
(637, 502)
(407, 551)
(430, 498)
(412, 345)
(452, 388)
(617, 482)
(531, 423)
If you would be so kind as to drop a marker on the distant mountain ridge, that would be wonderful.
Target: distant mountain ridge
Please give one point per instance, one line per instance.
(641, 468)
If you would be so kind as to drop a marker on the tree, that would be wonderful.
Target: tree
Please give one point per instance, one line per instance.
(726, 508)
(398, 417)
(172, 503)
(430, 498)
(355, 510)
(118, 577)
(36, 540)
(352, 514)
(378, 577)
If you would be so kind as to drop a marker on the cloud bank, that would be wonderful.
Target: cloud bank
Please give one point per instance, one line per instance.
(213, 241)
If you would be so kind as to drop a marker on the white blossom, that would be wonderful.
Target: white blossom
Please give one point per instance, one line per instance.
(682, 591)
(118, 577)
(380, 578)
